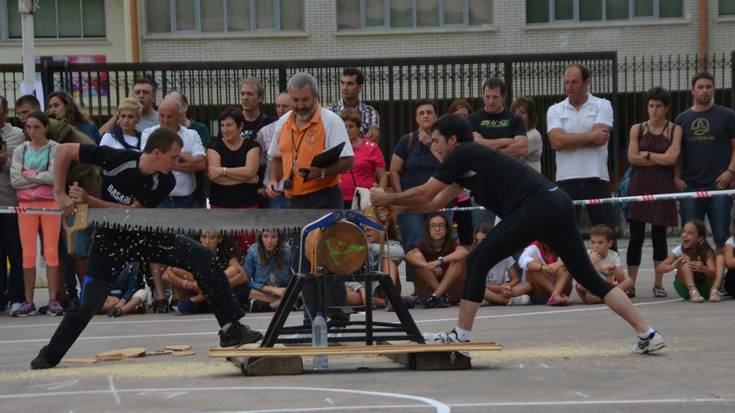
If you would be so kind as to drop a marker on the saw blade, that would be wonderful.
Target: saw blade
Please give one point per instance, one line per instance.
(195, 220)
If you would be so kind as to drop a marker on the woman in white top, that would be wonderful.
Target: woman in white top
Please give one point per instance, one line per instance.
(124, 135)
(526, 109)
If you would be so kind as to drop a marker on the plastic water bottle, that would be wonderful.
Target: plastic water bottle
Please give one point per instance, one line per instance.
(319, 339)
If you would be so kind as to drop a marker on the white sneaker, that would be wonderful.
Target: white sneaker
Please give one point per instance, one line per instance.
(695, 296)
(654, 342)
(14, 308)
(524, 299)
(714, 295)
(449, 337)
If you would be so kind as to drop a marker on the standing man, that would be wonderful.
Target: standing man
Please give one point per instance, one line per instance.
(531, 208)
(11, 279)
(496, 127)
(579, 128)
(300, 135)
(191, 160)
(144, 89)
(265, 136)
(135, 180)
(707, 163)
(251, 100)
(350, 86)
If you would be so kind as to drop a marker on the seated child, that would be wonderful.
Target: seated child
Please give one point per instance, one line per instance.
(503, 285)
(550, 280)
(697, 277)
(730, 262)
(190, 298)
(267, 265)
(388, 262)
(606, 261)
(439, 264)
(126, 294)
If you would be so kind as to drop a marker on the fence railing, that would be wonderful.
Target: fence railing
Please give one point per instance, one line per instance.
(393, 85)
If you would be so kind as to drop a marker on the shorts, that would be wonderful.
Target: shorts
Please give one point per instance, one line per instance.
(354, 286)
(683, 291)
(144, 294)
(81, 243)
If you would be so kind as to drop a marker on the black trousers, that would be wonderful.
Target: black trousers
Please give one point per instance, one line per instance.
(548, 217)
(11, 282)
(111, 250)
(638, 235)
(592, 188)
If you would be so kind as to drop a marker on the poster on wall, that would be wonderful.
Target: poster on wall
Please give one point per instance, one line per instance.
(82, 85)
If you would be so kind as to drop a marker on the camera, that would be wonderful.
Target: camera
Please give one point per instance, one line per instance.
(288, 184)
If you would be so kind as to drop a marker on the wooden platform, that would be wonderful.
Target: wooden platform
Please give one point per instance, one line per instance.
(350, 350)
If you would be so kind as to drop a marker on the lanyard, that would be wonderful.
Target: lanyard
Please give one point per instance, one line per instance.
(297, 147)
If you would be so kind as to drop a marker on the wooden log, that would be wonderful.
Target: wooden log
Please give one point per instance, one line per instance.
(350, 350)
(341, 249)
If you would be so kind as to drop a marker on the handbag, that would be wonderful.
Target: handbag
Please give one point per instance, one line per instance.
(361, 198)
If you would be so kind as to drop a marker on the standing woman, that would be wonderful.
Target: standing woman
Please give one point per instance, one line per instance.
(653, 149)
(31, 174)
(62, 106)
(369, 166)
(233, 164)
(526, 109)
(412, 164)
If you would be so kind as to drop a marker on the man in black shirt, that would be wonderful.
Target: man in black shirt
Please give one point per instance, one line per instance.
(135, 180)
(251, 98)
(531, 208)
(496, 127)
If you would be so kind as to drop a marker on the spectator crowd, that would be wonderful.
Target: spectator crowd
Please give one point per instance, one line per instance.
(255, 160)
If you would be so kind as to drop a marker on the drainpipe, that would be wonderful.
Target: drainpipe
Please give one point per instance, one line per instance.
(703, 34)
(134, 40)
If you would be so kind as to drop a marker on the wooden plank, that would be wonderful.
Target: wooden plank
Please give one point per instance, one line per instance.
(273, 366)
(121, 354)
(178, 347)
(182, 353)
(79, 361)
(349, 350)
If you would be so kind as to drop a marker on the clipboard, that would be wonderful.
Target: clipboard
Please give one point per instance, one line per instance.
(328, 157)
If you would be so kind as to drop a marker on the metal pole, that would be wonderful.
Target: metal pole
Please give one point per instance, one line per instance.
(26, 9)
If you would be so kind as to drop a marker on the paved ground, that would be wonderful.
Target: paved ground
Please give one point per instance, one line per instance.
(574, 359)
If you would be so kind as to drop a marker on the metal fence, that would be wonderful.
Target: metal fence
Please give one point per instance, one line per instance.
(393, 85)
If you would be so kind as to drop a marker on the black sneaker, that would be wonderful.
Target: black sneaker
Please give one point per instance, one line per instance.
(160, 306)
(41, 362)
(237, 334)
(257, 306)
(443, 301)
(431, 301)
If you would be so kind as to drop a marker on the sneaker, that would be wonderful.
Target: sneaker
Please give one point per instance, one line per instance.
(257, 306)
(114, 312)
(524, 299)
(54, 308)
(431, 301)
(558, 301)
(652, 343)
(630, 293)
(449, 337)
(695, 296)
(141, 309)
(443, 301)
(42, 360)
(14, 309)
(25, 309)
(160, 306)
(236, 334)
(186, 307)
(714, 295)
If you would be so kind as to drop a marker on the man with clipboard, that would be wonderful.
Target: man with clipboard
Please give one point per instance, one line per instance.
(311, 149)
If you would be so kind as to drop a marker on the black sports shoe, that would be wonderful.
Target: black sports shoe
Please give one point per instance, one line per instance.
(257, 306)
(160, 306)
(237, 334)
(431, 301)
(41, 362)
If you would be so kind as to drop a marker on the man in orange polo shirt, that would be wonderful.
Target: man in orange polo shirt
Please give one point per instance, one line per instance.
(301, 134)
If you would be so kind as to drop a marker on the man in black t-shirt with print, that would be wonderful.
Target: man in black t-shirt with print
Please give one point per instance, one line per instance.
(251, 99)
(496, 127)
(531, 207)
(707, 163)
(135, 180)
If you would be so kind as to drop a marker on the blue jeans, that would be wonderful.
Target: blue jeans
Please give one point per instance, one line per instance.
(277, 203)
(177, 202)
(412, 228)
(717, 209)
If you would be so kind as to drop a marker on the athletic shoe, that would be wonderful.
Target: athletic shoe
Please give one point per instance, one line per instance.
(630, 293)
(443, 301)
(114, 312)
(524, 299)
(42, 360)
(25, 309)
(449, 337)
(695, 296)
(54, 308)
(237, 334)
(559, 301)
(714, 296)
(653, 342)
(186, 307)
(430, 301)
(160, 306)
(14, 309)
(257, 306)
(407, 301)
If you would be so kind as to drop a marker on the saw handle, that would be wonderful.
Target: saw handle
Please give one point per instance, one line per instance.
(81, 221)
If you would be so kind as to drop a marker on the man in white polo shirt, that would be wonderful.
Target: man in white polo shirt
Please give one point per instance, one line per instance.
(191, 160)
(579, 128)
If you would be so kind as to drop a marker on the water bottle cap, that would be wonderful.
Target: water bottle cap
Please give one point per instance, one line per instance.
(319, 314)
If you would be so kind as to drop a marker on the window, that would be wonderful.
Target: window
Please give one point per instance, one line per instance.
(727, 7)
(409, 14)
(550, 11)
(220, 16)
(59, 19)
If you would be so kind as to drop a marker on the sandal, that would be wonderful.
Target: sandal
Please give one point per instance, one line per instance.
(659, 292)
